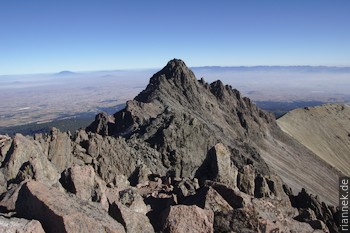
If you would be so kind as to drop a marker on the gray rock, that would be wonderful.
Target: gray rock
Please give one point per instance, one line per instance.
(306, 215)
(3, 183)
(246, 179)
(236, 220)
(319, 225)
(9, 199)
(218, 167)
(57, 146)
(184, 188)
(158, 204)
(311, 204)
(133, 200)
(5, 145)
(208, 198)
(233, 197)
(102, 124)
(261, 187)
(85, 184)
(140, 175)
(27, 160)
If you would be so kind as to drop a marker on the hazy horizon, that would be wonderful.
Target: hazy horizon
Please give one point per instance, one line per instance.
(46, 97)
(47, 37)
(297, 68)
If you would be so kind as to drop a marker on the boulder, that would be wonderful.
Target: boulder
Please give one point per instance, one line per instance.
(133, 200)
(20, 225)
(3, 183)
(140, 175)
(5, 145)
(27, 160)
(132, 221)
(22, 150)
(40, 169)
(275, 184)
(233, 197)
(305, 215)
(158, 204)
(218, 167)
(246, 179)
(57, 146)
(59, 212)
(322, 211)
(85, 184)
(319, 225)
(60, 149)
(184, 188)
(121, 182)
(9, 199)
(237, 220)
(208, 198)
(261, 187)
(101, 125)
(181, 218)
(260, 215)
(111, 156)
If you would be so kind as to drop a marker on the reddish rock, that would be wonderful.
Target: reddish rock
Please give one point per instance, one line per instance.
(132, 221)
(59, 212)
(181, 218)
(19, 225)
(85, 184)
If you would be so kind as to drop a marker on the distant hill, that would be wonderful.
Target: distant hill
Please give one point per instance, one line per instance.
(325, 130)
(65, 73)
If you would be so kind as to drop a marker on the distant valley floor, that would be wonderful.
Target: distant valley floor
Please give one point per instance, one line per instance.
(82, 120)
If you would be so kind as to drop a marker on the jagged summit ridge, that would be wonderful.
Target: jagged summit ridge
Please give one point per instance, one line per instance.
(182, 118)
(176, 87)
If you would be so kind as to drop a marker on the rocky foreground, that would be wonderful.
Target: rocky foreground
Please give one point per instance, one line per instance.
(183, 156)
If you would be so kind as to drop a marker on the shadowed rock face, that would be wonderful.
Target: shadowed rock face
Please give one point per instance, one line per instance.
(194, 153)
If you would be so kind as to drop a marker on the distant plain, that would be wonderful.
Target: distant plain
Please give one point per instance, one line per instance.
(41, 99)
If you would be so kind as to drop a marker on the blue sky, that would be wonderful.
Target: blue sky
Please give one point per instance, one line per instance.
(40, 36)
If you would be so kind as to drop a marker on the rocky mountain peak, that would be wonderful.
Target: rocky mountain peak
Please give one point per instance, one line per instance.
(174, 77)
(175, 69)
